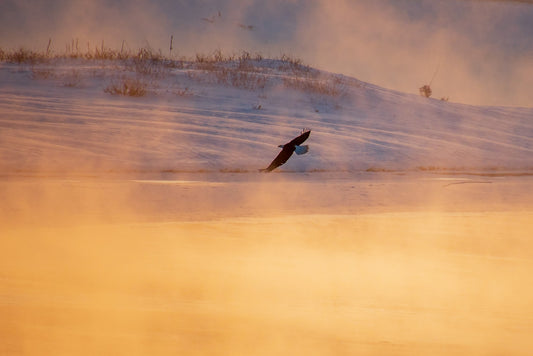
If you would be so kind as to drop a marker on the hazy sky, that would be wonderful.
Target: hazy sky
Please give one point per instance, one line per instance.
(483, 50)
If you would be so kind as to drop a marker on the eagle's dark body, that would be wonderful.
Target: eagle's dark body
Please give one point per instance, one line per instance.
(287, 151)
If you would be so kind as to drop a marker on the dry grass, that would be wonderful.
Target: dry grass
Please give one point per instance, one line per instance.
(243, 70)
(147, 60)
(240, 79)
(127, 87)
(22, 55)
(212, 60)
(295, 65)
(240, 71)
(249, 71)
(147, 67)
(330, 86)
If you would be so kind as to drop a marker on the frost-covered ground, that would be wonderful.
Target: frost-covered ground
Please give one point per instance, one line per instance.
(140, 225)
(57, 117)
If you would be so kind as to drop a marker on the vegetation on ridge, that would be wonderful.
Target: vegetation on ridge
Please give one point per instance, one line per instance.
(244, 70)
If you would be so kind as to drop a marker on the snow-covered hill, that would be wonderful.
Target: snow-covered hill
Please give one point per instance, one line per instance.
(231, 115)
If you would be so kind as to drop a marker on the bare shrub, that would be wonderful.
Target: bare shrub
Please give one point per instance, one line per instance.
(127, 87)
(425, 91)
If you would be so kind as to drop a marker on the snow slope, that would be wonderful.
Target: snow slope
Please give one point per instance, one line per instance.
(56, 116)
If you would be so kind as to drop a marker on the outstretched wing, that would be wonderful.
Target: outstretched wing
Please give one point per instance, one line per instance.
(300, 139)
(287, 151)
(280, 159)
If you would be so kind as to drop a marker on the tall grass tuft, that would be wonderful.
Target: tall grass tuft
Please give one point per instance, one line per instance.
(22, 55)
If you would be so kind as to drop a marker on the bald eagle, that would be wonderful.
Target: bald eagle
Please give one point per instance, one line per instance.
(287, 149)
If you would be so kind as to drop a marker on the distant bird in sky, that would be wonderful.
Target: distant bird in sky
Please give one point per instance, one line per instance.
(287, 149)
(246, 27)
(209, 19)
(212, 18)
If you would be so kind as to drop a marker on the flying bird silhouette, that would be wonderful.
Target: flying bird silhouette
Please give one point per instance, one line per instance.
(287, 149)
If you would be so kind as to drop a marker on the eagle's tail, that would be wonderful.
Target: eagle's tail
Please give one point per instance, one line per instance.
(300, 150)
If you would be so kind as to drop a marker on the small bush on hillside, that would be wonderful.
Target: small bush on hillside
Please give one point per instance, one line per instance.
(127, 87)
(425, 91)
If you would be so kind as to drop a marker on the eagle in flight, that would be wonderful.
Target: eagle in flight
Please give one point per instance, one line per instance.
(287, 149)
